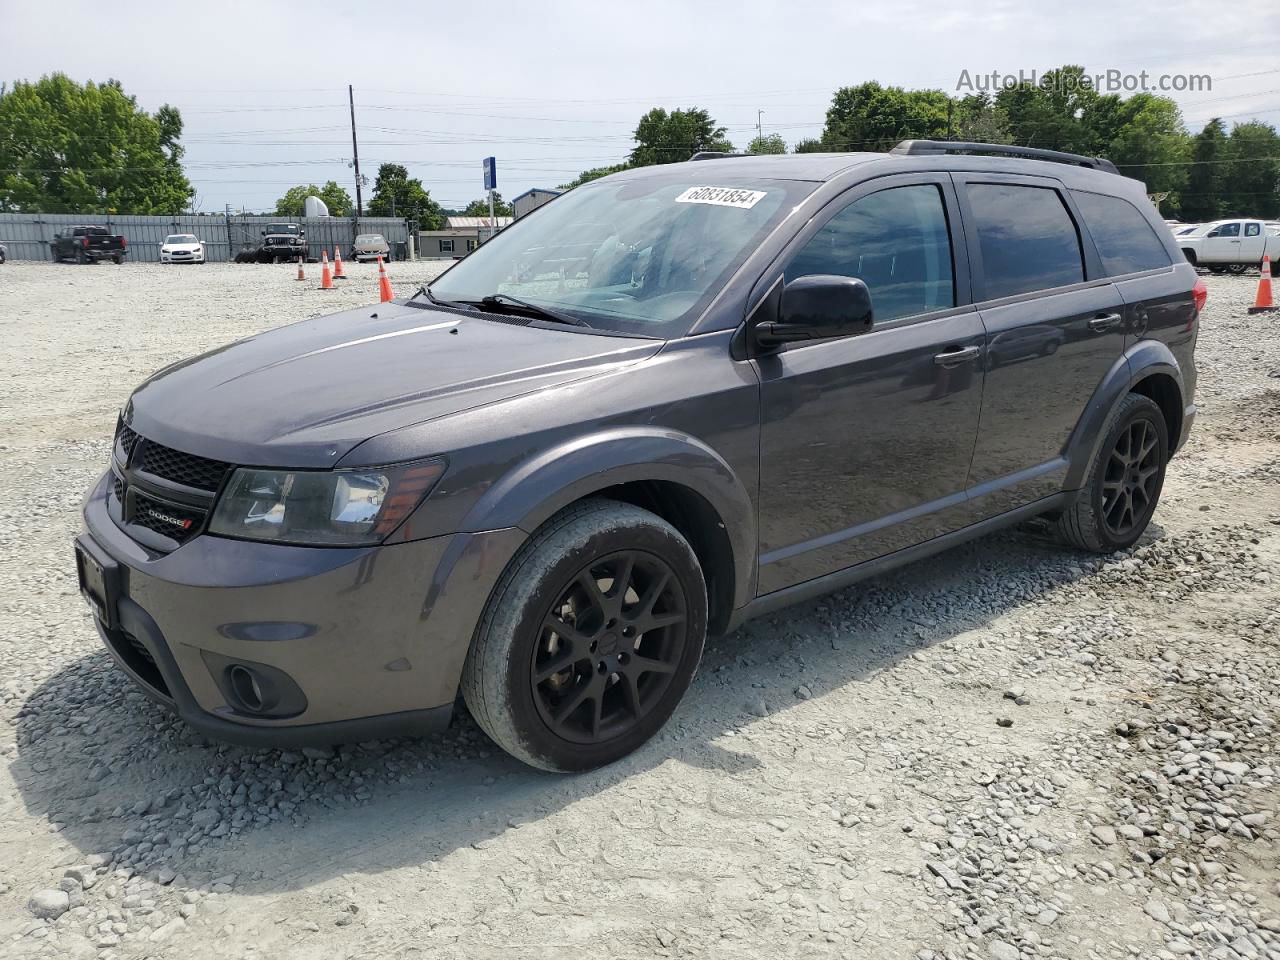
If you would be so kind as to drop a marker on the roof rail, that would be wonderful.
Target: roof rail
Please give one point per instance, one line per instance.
(716, 155)
(923, 148)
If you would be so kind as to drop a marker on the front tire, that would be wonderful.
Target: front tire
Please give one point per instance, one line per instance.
(590, 638)
(1123, 485)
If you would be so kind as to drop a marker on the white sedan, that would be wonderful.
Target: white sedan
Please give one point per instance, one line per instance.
(182, 248)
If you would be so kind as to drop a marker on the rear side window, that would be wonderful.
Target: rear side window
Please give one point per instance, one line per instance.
(1027, 238)
(1124, 238)
(896, 241)
(1252, 229)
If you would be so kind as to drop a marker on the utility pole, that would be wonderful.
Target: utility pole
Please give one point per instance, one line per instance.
(355, 153)
(759, 125)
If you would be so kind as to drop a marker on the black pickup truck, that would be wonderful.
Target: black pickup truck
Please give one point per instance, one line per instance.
(88, 245)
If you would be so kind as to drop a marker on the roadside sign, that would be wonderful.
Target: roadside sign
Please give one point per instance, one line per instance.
(490, 173)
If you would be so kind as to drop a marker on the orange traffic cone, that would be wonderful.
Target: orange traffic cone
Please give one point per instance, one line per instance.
(1263, 302)
(384, 284)
(326, 281)
(337, 265)
(301, 275)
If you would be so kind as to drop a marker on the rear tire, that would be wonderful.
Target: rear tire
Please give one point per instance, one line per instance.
(1122, 487)
(1237, 268)
(590, 639)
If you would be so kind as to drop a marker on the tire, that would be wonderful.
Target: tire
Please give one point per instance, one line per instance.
(1217, 269)
(601, 703)
(1129, 466)
(117, 260)
(81, 258)
(1237, 268)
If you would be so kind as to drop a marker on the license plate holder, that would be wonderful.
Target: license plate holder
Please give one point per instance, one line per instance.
(98, 577)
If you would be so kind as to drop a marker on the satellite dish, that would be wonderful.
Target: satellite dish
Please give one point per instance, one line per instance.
(315, 207)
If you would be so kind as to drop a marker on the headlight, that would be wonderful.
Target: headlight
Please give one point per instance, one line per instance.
(338, 507)
(164, 249)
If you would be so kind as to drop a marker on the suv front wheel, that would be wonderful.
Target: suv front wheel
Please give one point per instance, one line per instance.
(590, 639)
(1124, 481)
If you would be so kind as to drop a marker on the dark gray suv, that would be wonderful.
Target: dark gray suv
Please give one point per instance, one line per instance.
(671, 400)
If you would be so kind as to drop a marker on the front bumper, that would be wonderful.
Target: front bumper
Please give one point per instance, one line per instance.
(182, 258)
(356, 643)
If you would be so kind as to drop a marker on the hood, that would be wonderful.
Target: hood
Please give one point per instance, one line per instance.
(304, 395)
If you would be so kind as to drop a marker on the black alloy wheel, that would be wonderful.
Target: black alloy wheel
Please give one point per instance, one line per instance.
(609, 646)
(1131, 482)
(590, 638)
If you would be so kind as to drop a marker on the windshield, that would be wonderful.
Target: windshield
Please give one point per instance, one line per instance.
(282, 228)
(181, 238)
(643, 255)
(370, 238)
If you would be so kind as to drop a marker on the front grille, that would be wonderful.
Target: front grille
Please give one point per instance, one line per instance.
(118, 486)
(177, 523)
(184, 468)
(128, 440)
(141, 648)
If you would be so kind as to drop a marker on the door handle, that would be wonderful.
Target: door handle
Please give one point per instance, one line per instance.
(1104, 322)
(957, 356)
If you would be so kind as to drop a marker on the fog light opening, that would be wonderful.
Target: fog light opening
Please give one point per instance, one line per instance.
(247, 689)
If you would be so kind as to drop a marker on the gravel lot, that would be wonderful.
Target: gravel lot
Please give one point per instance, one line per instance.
(1010, 750)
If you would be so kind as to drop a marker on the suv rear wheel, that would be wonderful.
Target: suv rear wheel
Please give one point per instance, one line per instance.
(590, 639)
(1124, 481)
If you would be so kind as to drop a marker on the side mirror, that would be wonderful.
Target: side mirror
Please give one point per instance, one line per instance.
(818, 307)
(264, 233)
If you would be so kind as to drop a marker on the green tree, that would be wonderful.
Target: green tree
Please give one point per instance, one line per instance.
(480, 208)
(67, 147)
(395, 194)
(872, 117)
(1202, 200)
(1253, 173)
(1149, 143)
(809, 145)
(1062, 112)
(293, 203)
(773, 143)
(595, 173)
(976, 118)
(673, 137)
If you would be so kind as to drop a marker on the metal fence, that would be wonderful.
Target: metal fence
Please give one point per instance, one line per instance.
(26, 236)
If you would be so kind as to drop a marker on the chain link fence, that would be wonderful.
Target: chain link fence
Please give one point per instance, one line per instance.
(26, 236)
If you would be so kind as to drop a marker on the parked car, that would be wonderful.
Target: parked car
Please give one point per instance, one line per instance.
(370, 246)
(283, 241)
(88, 244)
(1231, 246)
(182, 248)
(544, 486)
(4, 253)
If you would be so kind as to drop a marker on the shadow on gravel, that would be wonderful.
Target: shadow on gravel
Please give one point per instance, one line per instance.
(118, 776)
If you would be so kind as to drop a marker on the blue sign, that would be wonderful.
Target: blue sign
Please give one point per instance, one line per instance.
(490, 173)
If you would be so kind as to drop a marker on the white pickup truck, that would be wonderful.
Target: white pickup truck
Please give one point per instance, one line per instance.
(1232, 246)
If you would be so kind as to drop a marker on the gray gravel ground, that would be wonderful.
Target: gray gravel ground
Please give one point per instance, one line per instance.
(1010, 750)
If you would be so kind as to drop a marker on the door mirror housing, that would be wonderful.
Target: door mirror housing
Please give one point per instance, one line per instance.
(818, 307)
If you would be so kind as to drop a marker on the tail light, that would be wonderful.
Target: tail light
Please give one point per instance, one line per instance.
(1200, 294)
(124, 243)
(84, 242)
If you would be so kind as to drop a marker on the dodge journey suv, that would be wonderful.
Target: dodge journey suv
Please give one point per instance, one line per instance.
(668, 401)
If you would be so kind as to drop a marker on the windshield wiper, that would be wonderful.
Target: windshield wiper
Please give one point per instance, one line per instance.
(426, 292)
(495, 300)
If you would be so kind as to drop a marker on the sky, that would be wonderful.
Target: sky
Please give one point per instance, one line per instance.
(553, 87)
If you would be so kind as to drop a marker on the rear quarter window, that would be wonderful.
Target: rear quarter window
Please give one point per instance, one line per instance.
(1125, 239)
(1027, 239)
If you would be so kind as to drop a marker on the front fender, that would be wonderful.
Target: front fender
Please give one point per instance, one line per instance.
(1144, 358)
(538, 487)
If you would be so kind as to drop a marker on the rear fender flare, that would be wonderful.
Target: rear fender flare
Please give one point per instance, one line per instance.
(1144, 358)
(540, 486)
